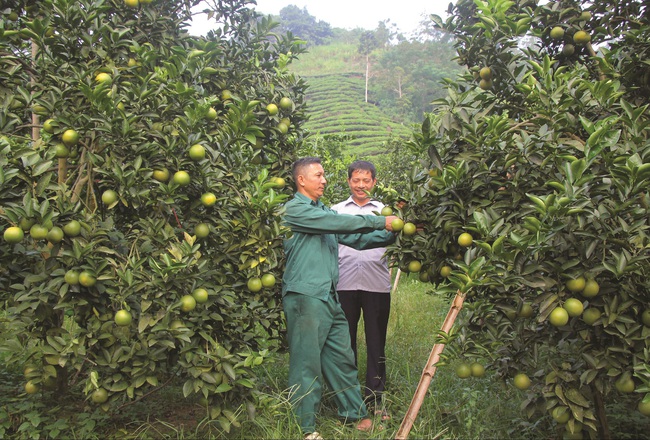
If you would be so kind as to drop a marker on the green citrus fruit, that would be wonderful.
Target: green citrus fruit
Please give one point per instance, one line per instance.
(414, 266)
(478, 370)
(254, 284)
(123, 318)
(226, 95)
(591, 289)
(55, 235)
(463, 370)
(188, 303)
(181, 178)
(386, 211)
(409, 229)
(445, 271)
(485, 73)
(103, 77)
(286, 103)
(72, 228)
(132, 3)
(109, 197)
(465, 239)
(625, 384)
(561, 414)
(573, 307)
(268, 280)
(526, 311)
(272, 109)
(161, 175)
(557, 33)
(38, 232)
(576, 285)
(99, 396)
(72, 277)
(70, 137)
(13, 235)
(591, 315)
(645, 317)
(485, 84)
(48, 126)
(568, 50)
(208, 199)
(559, 317)
(197, 152)
(31, 387)
(283, 128)
(521, 381)
(87, 279)
(211, 115)
(397, 225)
(581, 37)
(644, 407)
(176, 324)
(200, 295)
(61, 151)
(201, 230)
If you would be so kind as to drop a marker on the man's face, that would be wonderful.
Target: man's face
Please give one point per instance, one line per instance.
(311, 182)
(360, 182)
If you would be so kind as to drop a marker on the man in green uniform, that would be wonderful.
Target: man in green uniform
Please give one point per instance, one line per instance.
(317, 330)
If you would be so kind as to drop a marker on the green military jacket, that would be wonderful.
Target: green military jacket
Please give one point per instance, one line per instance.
(312, 266)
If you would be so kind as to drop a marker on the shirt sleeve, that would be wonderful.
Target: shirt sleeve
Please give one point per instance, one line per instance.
(368, 240)
(308, 219)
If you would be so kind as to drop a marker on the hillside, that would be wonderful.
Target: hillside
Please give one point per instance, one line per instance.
(336, 100)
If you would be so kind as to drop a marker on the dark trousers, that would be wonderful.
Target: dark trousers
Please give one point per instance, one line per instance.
(376, 310)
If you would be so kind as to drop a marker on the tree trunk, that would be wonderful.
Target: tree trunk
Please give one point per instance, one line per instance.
(603, 431)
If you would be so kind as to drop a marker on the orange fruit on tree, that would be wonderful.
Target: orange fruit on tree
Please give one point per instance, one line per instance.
(181, 178)
(38, 232)
(409, 229)
(485, 73)
(445, 271)
(576, 284)
(591, 315)
(99, 396)
(208, 199)
(254, 284)
(478, 370)
(414, 266)
(581, 37)
(72, 228)
(188, 303)
(397, 224)
(561, 414)
(465, 239)
(644, 407)
(557, 33)
(109, 197)
(87, 279)
(200, 295)
(286, 103)
(72, 277)
(70, 137)
(268, 280)
(573, 307)
(558, 317)
(55, 235)
(625, 384)
(161, 174)
(521, 381)
(31, 387)
(201, 230)
(272, 109)
(526, 311)
(645, 317)
(197, 152)
(386, 211)
(13, 235)
(463, 370)
(123, 318)
(591, 289)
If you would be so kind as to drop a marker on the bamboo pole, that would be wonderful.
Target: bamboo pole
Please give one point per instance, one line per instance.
(399, 272)
(429, 371)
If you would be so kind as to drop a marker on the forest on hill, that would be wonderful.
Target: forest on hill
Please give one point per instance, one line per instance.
(368, 85)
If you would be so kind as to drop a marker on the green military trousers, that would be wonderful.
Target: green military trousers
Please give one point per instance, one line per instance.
(319, 349)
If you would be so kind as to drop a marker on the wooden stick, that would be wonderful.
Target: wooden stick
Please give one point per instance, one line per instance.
(399, 272)
(429, 371)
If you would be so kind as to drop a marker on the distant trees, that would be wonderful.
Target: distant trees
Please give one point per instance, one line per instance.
(305, 26)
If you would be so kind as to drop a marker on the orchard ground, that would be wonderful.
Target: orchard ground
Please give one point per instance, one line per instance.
(454, 408)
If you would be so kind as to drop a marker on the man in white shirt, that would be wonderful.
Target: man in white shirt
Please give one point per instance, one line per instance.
(364, 285)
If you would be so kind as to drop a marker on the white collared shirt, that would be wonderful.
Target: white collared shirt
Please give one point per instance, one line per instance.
(362, 270)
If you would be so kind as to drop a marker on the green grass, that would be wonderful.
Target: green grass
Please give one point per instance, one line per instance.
(453, 408)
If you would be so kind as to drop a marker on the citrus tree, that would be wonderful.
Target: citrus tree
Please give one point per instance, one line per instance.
(142, 177)
(532, 197)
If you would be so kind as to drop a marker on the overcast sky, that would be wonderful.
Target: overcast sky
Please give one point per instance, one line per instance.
(350, 14)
